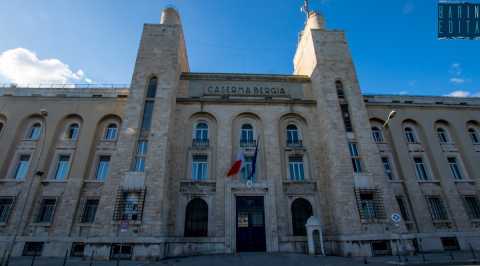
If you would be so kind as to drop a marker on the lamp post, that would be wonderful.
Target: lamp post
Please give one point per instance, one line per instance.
(391, 115)
(38, 172)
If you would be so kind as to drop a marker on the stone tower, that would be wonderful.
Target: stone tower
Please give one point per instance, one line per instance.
(324, 56)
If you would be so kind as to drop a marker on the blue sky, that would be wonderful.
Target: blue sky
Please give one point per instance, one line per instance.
(393, 42)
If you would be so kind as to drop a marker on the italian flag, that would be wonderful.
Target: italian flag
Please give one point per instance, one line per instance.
(237, 165)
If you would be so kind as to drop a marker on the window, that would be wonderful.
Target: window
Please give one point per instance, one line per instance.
(301, 210)
(367, 206)
(403, 208)
(339, 87)
(473, 136)
(196, 219)
(293, 136)
(437, 209)
(152, 88)
(102, 167)
(121, 251)
(296, 169)
(63, 167)
(473, 207)
(72, 131)
(78, 249)
(346, 117)
(201, 131)
(22, 167)
(370, 204)
(111, 132)
(246, 134)
(420, 168)
(141, 153)
(357, 165)
(455, 168)
(35, 132)
(129, 205)
(387, 168)
(47, 209)
(377, 135)
(442, 135)
(410, 135)
(89, 211)
(147, 115)
(32, 249)
(200, 167)
(247, 169)
(6, 205)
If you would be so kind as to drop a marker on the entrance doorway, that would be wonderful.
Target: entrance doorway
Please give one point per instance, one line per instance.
(250, 224)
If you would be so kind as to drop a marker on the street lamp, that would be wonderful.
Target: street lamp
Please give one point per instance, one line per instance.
(39, 173)
(391, 115)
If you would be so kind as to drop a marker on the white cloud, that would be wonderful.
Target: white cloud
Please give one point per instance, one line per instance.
(457, 80)
(456, 69)
(462, 94)
(403, 93)
(22, 66)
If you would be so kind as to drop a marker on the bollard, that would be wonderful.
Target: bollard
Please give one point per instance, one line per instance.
(365, 261)
(33, 260)
(65, 258)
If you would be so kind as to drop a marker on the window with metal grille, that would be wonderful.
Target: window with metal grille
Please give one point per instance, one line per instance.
(387, 167)
(129, 205)
(473, 207)
(421, 169)
(102, 167)
(296, 168)
(199, 167)
(301, 210)
(356, 162)
(437, 208)
(62, 168)
(22, 167)
(6, 206)
(346, 117)
(32, 249)
(404, 211)
(89, 211)
(370, 204)
(377, 135)
(196, 218)
(46, 211)
(455, 168)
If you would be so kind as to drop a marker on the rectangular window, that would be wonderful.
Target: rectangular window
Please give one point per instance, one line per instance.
(22, 167)
(141, 153)
(248, 168)
(356, 162)
(47, 209)
(387, 168)
(420, 168)
(32, 249)
(6, 205)
(437, 209)
(78, 249)
(473, 207)
(102, 167)
(367, 206)
(89, 211)
(455, 168)
(296, 168)
(200, 167)
(63, 167)
(147, 115)
(346, 117)
(129, 205)
(370, 204)
(403, 208)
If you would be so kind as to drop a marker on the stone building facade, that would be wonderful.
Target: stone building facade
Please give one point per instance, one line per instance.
(141, 172)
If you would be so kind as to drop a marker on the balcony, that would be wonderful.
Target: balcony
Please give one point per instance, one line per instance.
(200, 143)
(250, 143)
(294, 143)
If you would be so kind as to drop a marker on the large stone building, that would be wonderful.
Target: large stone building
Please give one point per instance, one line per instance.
(142, 171)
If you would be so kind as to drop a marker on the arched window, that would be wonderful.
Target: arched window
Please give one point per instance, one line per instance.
(196, 219)
(246, 134)
(152, 88)
(339, 87)
(474, 136)
(410, 135)
(1, 127)
(111, 132)
(201, 131)
(301, 211)
(377, 135)
(35, 132)
(72, 131)
(292, 135)
(442, 135)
